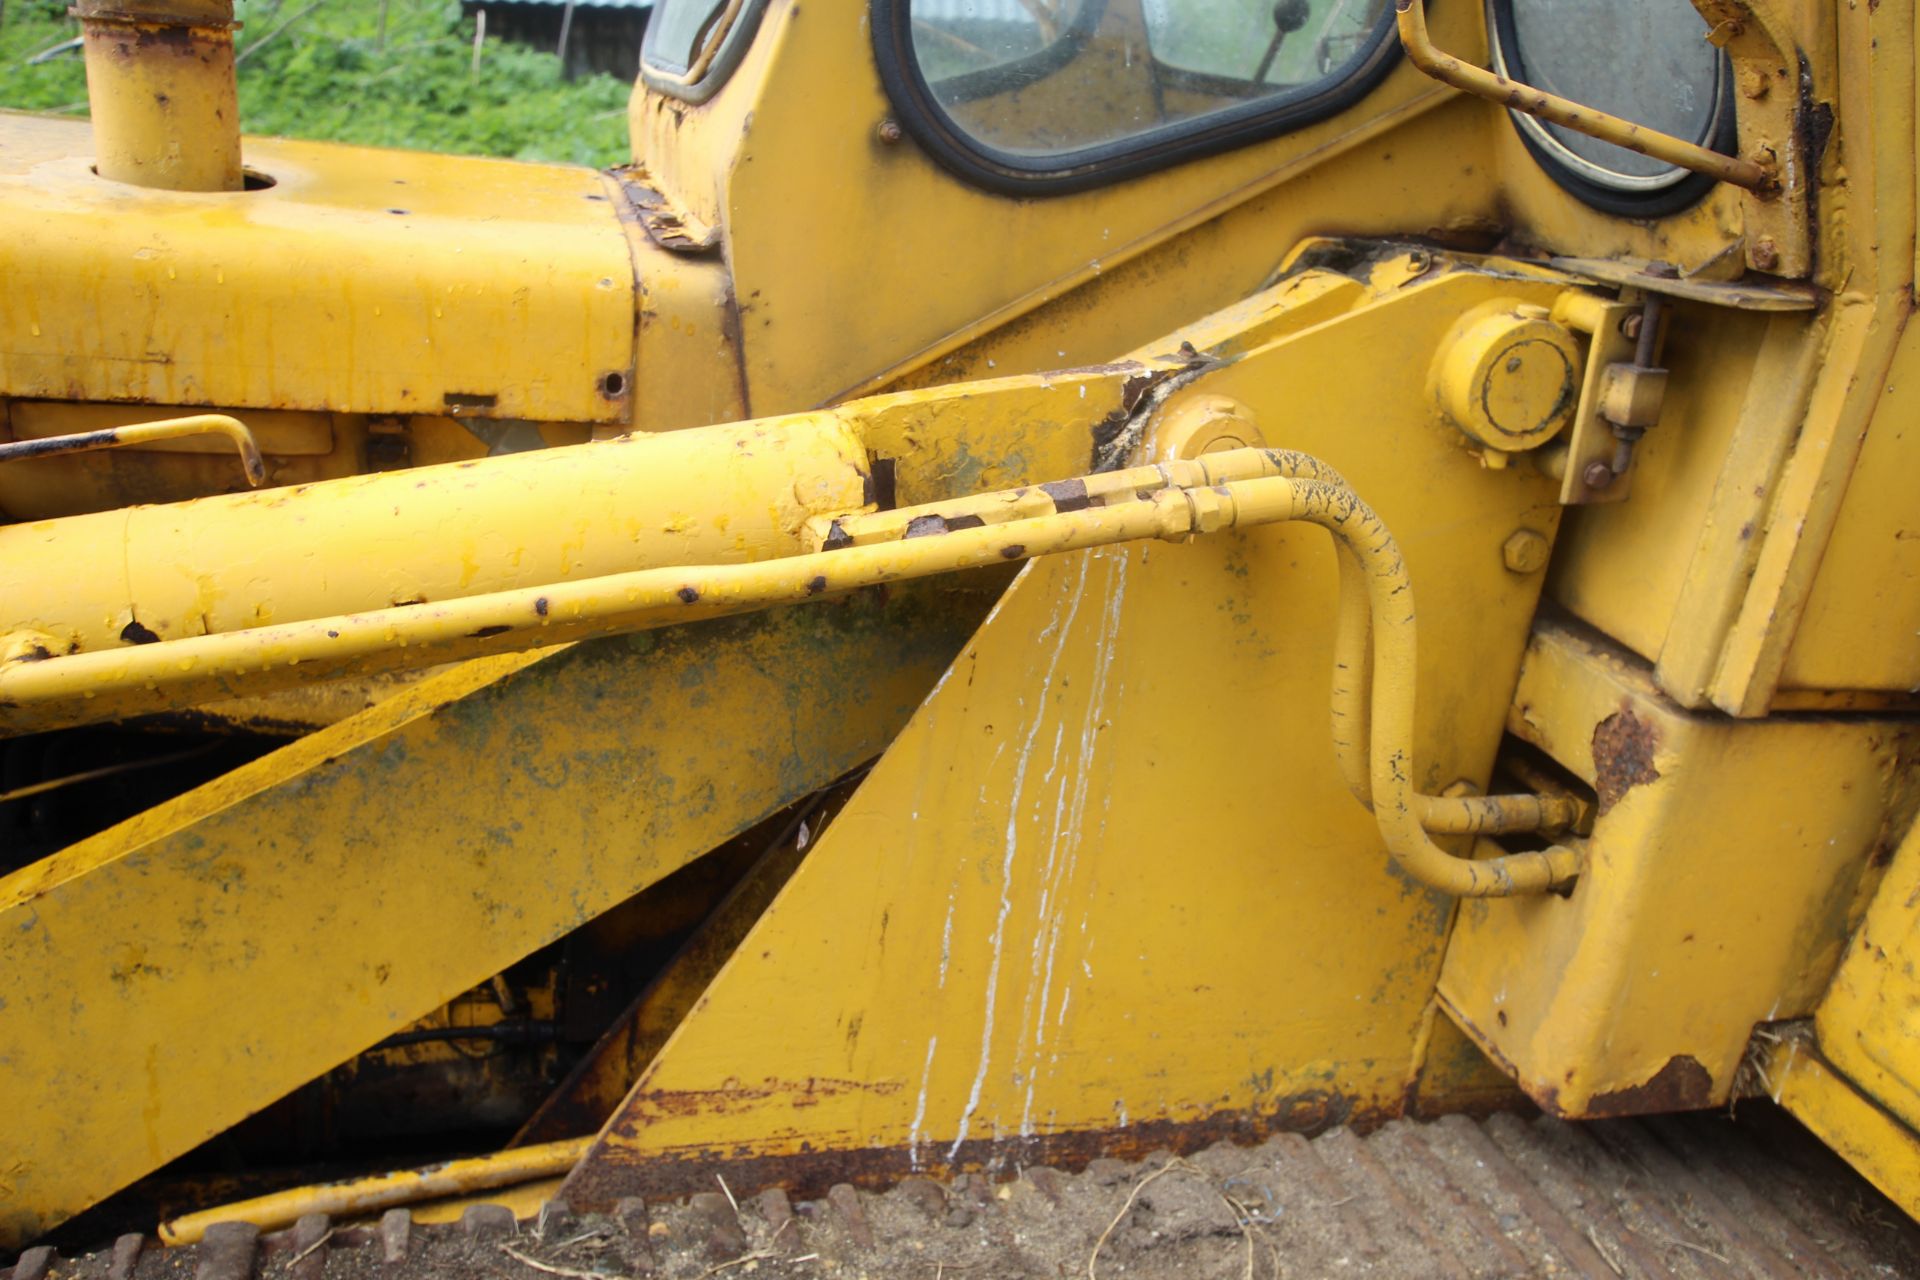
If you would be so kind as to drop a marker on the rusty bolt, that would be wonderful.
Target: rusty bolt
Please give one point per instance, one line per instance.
(1765, 254)
(1757, 84)
(1630, 326)
(889, 132)
(1598, 475)
(1525, 551)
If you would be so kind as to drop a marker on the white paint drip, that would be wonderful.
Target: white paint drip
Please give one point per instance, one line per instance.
(1066, 837)
(920, 1108)
(1089, 733)
(1059, 628)
(946, 941)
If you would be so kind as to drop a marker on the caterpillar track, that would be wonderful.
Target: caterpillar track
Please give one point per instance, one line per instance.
(1698, 1197)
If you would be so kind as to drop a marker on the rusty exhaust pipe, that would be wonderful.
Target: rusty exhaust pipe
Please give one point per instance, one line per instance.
(160, 82)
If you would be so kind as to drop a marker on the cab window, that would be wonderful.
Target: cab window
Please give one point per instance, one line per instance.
(1066, 93)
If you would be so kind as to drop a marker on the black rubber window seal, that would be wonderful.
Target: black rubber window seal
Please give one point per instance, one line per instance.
(1063, 173)
(1644, 206)
(667, 78)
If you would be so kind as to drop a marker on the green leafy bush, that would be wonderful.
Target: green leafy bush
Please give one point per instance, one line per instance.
(326, 70)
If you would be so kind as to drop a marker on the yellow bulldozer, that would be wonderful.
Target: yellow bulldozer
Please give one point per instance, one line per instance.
(847, 697)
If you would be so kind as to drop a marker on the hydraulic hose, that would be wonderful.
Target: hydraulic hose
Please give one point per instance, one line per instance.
(1385, 740)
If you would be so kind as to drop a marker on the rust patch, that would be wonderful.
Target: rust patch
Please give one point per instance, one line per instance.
(1623, 748)
(687, 595)
(498, 628)
(816, 584)
(181, 41)
(1682, 1085)
(733, 331)
(1013, 550)
(1067, 495)
(671, 229)
(644, 1108)
(610, 1173)
(540, 606)
(1812, 127)
(135, 633)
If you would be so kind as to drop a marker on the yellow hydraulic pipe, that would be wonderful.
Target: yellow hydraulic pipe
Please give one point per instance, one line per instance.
(1040, 499)
(130, 680)
(426, 535)
(160, 85)
(1400, 810)
(1444, 67)
(1496, 815)
(199, 424)
(384, 1191)
(1353, 675)
(1352, 736)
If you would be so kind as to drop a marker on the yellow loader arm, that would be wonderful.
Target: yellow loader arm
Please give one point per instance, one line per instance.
(980, 612)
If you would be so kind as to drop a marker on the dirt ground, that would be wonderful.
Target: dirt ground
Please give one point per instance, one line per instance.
(1696, 1196)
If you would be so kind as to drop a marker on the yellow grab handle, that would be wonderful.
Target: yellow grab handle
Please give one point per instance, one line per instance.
(1444, 67)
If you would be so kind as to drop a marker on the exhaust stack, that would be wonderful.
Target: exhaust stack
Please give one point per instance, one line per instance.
(160, 81)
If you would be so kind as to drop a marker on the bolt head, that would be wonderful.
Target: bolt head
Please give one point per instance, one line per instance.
(1765, 254)
(1211, 508)
(1598, 475)
(889, 131)
(1525, 551)
(1630, 325)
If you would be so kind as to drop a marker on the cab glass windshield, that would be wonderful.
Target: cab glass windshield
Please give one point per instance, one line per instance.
(1052, 78)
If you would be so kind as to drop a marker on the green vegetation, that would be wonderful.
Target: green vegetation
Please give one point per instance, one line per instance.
(323, 70)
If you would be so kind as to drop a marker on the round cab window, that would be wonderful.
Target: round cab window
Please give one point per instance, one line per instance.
(1645, 60)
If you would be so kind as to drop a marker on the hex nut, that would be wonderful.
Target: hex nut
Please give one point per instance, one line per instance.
(1525, 551)
(1212, 510)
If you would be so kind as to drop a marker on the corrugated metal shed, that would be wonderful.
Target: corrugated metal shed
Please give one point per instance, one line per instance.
(597, 35)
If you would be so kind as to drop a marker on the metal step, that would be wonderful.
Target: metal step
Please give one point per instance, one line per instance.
(1702, 1197)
